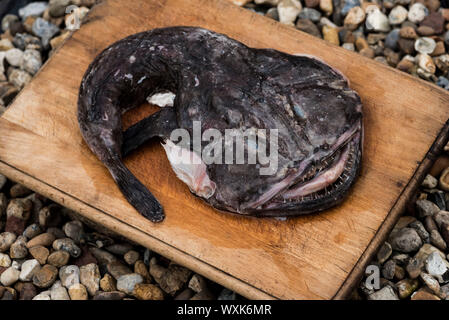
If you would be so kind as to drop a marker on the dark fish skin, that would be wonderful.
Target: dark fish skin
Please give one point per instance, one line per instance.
(225, 85)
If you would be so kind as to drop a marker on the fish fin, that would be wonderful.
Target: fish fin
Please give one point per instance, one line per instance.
(135, 192)
(159, 124)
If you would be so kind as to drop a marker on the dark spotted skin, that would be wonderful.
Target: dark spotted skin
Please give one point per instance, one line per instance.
(225, 85)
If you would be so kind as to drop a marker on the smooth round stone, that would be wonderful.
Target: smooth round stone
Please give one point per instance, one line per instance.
(331, 34)
(429, 182)
(58, 292)
(118, 249)
(311, 14)
(406, 287)
(131, 257)
(354, 18)
(69, 275)
(57, 8)
(446, 38)
(417, 12)
(44, 239)
(32, 231)
(425, 45)
(27, 292)
(74, 230)
(397, 15)
(44, 295)
(118, 269)
(391, 41)
(68, 245)
(40, 253)
(14, 57)
(326, 6)
(58, 258)
(45, 277)
(431, 282)
(444, 180)
(29, 268)
(9, 276)
(288, 10)
(18, 249)
(127, 282)
(33, 9)
(6, 240)
(5, 260)
(148, 292)
(376, 20)
(426, 63)
(78, 292)
(309, 27)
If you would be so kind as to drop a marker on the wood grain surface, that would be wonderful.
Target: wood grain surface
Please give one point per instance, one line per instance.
(302, 258)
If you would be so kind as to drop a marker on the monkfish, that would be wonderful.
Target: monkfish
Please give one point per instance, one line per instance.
(297, 109)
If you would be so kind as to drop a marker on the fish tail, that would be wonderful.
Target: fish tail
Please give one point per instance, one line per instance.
(135, 192)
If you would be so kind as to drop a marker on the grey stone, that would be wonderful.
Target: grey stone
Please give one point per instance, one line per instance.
(45, 30)
(33, 9)
(386, 293)
(127, 282)
(406, 240)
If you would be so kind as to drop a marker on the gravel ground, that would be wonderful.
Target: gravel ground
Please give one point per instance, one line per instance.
(49, 252)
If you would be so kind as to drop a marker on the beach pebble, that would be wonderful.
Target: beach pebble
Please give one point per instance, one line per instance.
(45, 276)
(406, 287)
(288, 11)
(9, 276)
(44, 239)
(31, 61)
(19, 78)
(425, 45)
(309, 27)
(58, 258)
(426, 208)
(68, 245)
(33, 9)
(326, 6)
(354, 18)
(40, 253)
(310, 14)
(57, 8)
(69, 275)
(386, 293)
(429, 182)
(45, 31)
(14, 57)
(376, 20)
(397, 15)
(406, 240)
(78, 292)
(6, 240)
(391, 41)
(28, 269)
(5, 260)
(417, 12)
(58, 292)
(148, 292)
(108, 283)
(435, 265)
(90, 278)
(127, 282)
(44, 295)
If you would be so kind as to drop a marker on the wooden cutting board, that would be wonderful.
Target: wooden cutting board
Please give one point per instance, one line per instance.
(315, 257)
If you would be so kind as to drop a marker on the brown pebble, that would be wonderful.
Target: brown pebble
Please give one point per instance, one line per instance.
(309, 27)
(434, 20)
(58, 258)
(439, 49)
(19, 191)
(27, 292)
(361, 43)
(424, 295)
(146, 291)
(141, 268)
(407, 45)
(330, 34)
(108, 283)
(441, 163)
(40, 253)
(444, 180)
(408, 33)
(44, 239)
(45, 277)
(367, 52)
(425, 31)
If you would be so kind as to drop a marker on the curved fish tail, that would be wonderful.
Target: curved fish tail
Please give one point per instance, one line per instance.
(135, 192)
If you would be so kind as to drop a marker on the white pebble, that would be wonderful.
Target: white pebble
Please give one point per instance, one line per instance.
(9, 276)
(14, 57)
(376, 20)
(425, 45)
(288, 11)
(417, 12)
(397, 15)
(5, 260)
(29, 268)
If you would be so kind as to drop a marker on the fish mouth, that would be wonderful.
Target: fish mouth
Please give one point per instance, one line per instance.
(317, 184)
